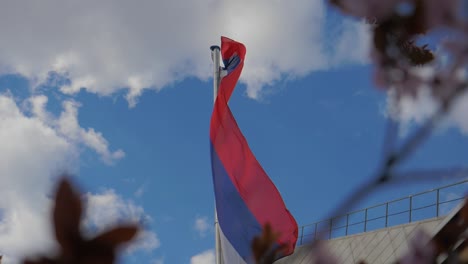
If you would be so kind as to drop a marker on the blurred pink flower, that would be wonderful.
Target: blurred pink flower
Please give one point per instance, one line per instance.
(441, 12)
(420, 250)
(321, 254)
(458, 49)
(379, 9)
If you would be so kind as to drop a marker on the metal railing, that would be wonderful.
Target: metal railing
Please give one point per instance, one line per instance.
(399, 211)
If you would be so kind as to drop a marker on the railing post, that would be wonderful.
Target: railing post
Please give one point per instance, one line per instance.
(386, 214)
(302, 233)
(365, 221)
(437, 203)
(410, 207)
(347, 219)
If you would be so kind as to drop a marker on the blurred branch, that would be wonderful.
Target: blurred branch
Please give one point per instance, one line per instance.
(394, 37)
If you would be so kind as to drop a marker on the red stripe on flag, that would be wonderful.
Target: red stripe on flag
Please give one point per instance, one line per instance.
(253, 184)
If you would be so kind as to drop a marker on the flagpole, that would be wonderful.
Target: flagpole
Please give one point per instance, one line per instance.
(216, 57)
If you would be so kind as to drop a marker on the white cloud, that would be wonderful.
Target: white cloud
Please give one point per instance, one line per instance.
(352, 36)
(107, 209)
(419, 108)
(105, 46)
(140, 191)
(202, 226)
(68, 125)
(408, 109)
(458, 114)
(33, 151)
(206, 257)
(158, 261)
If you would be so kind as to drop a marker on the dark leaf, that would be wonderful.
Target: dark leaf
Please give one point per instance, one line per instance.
(415, 54)
(67, 215)
(40, 261)
(265, 248)
(116, 236)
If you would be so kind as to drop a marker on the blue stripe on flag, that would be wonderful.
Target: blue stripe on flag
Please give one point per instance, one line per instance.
(231, 63)
(229, 254)
(235, 220)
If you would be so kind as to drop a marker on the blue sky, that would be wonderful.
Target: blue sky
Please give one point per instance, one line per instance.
(139, 146)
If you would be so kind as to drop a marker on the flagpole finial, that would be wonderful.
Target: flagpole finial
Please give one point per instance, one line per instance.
(214, 47)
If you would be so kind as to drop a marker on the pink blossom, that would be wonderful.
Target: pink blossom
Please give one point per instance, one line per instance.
(379, 9)
(458, 49)
(321, 254)
(420, 251)
(441, 12)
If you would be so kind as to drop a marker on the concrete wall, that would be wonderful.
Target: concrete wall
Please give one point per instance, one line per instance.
(379, 246)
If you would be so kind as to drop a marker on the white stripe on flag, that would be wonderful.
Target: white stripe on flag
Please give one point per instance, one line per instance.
(230, 255)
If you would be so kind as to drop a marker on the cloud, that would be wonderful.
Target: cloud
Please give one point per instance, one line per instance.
(140, 191)
(458, 113)
(34, 149)
(158, 261)
(68, 125)
(206, 257)
(31, 152)
(202, 225)
(409, 110)
(352, 36)
(106, 46)
(417, 109)
(107, 209)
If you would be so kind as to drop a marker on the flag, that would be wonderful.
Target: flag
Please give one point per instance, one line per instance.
(246, 198)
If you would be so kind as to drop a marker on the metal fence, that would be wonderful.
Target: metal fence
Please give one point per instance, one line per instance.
(416, 207)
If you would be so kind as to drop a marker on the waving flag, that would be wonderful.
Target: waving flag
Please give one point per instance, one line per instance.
(246, 198)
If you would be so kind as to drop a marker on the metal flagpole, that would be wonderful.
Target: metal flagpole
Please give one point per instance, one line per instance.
(216, 57)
